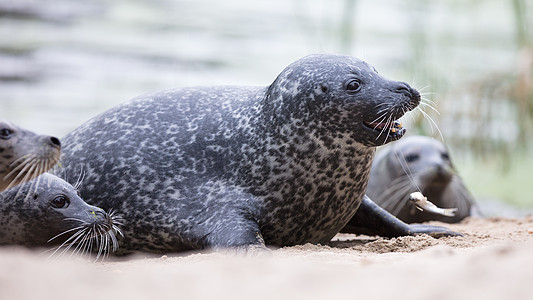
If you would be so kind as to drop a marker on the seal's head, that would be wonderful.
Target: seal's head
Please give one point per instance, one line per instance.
(24, 155)
(419, 163)
(54, 214)
(426, 159)
(341, 95)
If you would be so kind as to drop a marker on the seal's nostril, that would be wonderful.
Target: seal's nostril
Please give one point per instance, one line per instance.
(55, 141)
(405, 89)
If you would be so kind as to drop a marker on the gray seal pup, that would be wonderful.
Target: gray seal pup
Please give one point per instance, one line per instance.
(54, 215)
(240, 167)
(419, 163)
(24, 155)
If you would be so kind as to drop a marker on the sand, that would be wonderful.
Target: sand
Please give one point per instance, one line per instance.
(494, 260)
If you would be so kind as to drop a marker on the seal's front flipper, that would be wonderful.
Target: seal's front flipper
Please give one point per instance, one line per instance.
(370, 219)
(235, 232)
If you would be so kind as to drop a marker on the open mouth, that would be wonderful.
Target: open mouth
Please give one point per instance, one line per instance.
(392, 127)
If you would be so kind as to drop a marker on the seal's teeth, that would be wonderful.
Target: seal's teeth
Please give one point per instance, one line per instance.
(392, 127)
(396, 126)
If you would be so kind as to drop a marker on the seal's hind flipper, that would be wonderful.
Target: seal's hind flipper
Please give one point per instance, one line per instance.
(370, 219)
(236, 232)
(229, 224)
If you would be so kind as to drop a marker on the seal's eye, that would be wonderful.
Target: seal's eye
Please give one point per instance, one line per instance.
(60, 202)
(411, 157)
(445, 156)
(353, 86)
(5, 133)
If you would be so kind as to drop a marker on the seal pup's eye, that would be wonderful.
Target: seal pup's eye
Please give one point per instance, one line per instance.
(5, 133)
(445, 156)
(411, 157)
(60, 202)
(353, 86)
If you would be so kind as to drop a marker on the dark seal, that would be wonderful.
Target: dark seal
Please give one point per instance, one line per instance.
(55, 215)
(231, 166)
(24, 155)
(419, 163)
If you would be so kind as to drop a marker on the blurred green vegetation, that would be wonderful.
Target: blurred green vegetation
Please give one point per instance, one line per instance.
(488, 180)
(497, 102)
(485, 98)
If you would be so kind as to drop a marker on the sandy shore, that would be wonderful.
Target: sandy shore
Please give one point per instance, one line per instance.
(494, 260)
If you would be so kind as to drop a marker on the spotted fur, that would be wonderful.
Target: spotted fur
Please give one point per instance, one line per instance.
(228, 166)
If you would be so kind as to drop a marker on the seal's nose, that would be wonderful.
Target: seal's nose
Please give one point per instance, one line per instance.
(404, 88)
(407, 90)
(55, 142)
(442, 172)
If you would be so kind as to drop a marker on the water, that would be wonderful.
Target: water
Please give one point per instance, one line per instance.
(63, 62)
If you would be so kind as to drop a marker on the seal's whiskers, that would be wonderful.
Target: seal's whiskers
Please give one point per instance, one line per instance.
(405, 166)
(24, 163)
(385, 128)
(400, 183)
(99, 237)
(463, 198)
(400, 204)
(403, 186)
(80, 179)
(430, 120)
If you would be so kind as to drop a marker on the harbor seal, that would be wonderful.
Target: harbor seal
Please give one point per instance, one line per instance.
(24, 155)
(54, 216)
(419, 163)
(240, 167)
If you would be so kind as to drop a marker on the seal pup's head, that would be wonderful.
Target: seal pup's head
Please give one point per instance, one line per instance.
(24, 155)
(339, 96)
(420, 163)
(54, 214)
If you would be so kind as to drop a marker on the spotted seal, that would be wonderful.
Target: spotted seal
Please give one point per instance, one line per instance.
(24, 155)
(237, 166)
(413, 163)
(55, 215)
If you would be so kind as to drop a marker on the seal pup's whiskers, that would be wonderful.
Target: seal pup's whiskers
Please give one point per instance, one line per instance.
(401, 184)
(25, 155)
(79, 181)
(101, 234)
(405, 166)
(20, 167)
(27, 168)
